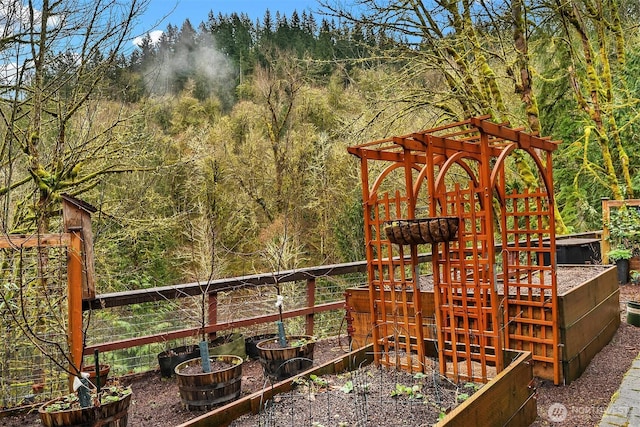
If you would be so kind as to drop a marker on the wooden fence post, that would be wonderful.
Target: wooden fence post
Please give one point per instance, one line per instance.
(604, 242)
(212, 317)
(311, 302)
(74, 286)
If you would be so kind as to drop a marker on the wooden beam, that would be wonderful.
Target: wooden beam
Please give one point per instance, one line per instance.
(166, 293)
(18, 241)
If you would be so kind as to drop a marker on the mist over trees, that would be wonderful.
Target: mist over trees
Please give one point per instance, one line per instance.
(221, 148)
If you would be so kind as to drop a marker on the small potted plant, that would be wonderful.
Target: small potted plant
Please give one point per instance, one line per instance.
(624, 234)
(620, 257)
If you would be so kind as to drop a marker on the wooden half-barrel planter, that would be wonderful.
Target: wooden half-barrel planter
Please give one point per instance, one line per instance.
(588, 316)
(283, 362)
(112, 413)
(205, 390)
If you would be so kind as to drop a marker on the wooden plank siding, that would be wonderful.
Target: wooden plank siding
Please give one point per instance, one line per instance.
(507, 400)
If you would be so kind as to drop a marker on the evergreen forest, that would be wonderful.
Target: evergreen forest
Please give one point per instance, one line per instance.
(221, 149)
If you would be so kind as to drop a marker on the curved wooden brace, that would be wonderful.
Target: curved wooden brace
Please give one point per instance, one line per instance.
(541, 170)
(386, 172)
(381, 177)
(502, 158)
(456, 158)
(423, 172)
(496, 169)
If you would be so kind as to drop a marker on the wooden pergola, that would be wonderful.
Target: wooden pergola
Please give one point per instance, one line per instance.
(494, 283)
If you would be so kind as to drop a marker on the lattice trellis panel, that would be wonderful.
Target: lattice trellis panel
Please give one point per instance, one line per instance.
(529, 277)
(465, 294)
(397, 324)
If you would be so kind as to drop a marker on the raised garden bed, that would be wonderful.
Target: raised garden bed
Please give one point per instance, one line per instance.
(505, 399)
(588, 308)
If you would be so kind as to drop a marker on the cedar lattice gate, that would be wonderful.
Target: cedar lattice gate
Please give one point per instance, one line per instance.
(486, 299)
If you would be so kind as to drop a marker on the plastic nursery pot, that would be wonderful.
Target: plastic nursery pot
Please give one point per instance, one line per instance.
(623, 271)
(279, 362)
(169, 359)
(228, 344)
(204, 390)
(252, 342)
(633, 313)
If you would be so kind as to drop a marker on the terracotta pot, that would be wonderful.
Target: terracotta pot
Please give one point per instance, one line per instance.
(103, 375)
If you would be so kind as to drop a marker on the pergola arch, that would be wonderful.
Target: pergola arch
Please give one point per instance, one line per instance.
(485, 300)
(455, 160)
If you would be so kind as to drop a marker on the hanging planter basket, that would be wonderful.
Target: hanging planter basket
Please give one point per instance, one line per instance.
(422, 230)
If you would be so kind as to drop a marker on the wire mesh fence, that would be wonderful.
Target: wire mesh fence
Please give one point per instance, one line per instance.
(232, 305)
(34, 363)
(33, 305)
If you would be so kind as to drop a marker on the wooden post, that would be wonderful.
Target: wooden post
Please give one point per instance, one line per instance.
(77, 216)
(74, 285)
(604, 242)
(311, 302)
(212, 317)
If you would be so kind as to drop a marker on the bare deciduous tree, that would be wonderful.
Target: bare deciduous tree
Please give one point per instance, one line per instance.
(57, 133)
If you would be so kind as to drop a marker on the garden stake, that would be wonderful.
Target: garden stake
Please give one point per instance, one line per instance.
(204, 355)
(96, 360)
(281, 336)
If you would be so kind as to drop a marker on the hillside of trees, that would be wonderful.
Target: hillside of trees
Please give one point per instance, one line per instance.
(220, 150)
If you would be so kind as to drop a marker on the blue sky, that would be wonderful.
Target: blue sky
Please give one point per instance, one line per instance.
(160, 13)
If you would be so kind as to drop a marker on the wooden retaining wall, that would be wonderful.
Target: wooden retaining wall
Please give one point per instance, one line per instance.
(506, 400)
(589, 316)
